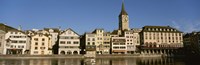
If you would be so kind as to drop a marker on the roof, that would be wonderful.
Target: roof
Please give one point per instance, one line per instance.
(115, 32)
(7, 28)
(123, 11)
(71, 30)
(97, 29)
(54, 29)
(153, 29)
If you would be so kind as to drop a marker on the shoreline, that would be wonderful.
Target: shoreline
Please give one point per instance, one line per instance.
(75, 56)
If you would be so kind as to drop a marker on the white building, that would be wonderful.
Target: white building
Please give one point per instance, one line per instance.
(69, 42)
(16, 42)
(41, 44)
(118, 45)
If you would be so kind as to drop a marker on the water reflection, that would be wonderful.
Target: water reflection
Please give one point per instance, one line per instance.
(117, 61)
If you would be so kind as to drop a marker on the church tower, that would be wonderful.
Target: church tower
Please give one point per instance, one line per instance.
(123, 19)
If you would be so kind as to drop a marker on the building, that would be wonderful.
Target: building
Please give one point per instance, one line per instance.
(2, 41)
(106, 43)
(123, 19)
(69, 42)
(160, 40)
(118, 45)
(15, 41)
(54, 34)
(88, 44)
(41, 44)
(99, 40)
(192, 44)
(132, 40)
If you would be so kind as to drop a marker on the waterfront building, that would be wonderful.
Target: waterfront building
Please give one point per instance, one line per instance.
(15, 41)
(88, 44)
(2, 41)
(99, 40)
(41, 44)
(106, 43)
(118, 45)
(69, 42)
(160, 40)
(192, 43)
(54, 34)
(132, 40)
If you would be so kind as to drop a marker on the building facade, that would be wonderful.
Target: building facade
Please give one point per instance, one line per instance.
(118, 45)
(41, 44)
(69, 42)
(106, 43)
(2, 41)
(192, 44)
(160, 40)
(99, 40)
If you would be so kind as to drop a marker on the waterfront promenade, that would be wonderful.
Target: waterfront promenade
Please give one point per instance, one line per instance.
(73, 56)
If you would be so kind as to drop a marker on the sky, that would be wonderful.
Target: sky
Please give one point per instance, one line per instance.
(87, 15)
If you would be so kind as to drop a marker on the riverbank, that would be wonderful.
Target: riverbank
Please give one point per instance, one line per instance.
(73, 56)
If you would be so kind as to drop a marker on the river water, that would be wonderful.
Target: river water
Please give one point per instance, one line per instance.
(105, 61)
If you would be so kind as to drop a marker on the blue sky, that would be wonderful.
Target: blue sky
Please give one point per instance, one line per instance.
(87, 15)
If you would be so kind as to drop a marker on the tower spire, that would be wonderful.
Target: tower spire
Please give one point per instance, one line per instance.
(123, 11)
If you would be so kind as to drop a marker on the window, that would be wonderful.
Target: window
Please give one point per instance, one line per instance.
(22, 46)
(76, 42)
(36, 48)
(93, 39)
(36, 43)
(42, 43)
(14, 41)
(88, 39)
(88, 43)
(68, 42)
(93, 43)
(22, 41)
(62, 42)
(43, 39)
(36, 39)
(35, 52)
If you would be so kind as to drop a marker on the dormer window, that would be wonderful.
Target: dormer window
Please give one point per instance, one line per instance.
(171, 29)
(149, 29)
(156, 29)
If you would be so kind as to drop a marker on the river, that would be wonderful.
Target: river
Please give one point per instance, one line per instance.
(102, 61)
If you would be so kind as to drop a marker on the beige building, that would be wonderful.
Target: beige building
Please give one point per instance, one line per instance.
(99, 40)
(88, 44)
(123, 19)
(69, 42)
(160, 39)
(132, 40)
(41, 44)
(54, 34)
(106, 43)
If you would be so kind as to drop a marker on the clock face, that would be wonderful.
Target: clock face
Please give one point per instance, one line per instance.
(125, 19)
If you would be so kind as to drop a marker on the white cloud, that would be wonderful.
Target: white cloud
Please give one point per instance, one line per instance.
(187, 26)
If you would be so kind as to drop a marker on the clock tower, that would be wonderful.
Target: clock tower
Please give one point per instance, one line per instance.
(123, 19)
